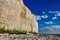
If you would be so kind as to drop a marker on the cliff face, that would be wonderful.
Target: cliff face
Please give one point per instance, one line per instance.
(14, 14)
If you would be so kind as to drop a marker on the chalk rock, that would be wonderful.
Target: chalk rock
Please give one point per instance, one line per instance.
(14, 14)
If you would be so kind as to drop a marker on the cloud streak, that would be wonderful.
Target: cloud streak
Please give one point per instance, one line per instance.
(50, 22)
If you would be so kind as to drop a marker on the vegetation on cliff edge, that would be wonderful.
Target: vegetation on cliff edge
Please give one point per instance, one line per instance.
(4, 29)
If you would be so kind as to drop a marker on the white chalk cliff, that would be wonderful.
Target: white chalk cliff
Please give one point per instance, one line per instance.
(14, 14)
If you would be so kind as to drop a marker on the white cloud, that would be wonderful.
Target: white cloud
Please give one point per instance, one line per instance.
(55, 29)
(40, 17)
(50, 22)
(58, 14)
(44, 16)
(49, 28)
(43, 12)
(56, 26)
(53, 18)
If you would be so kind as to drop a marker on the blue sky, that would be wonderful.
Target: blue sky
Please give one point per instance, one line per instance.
(47, 13)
